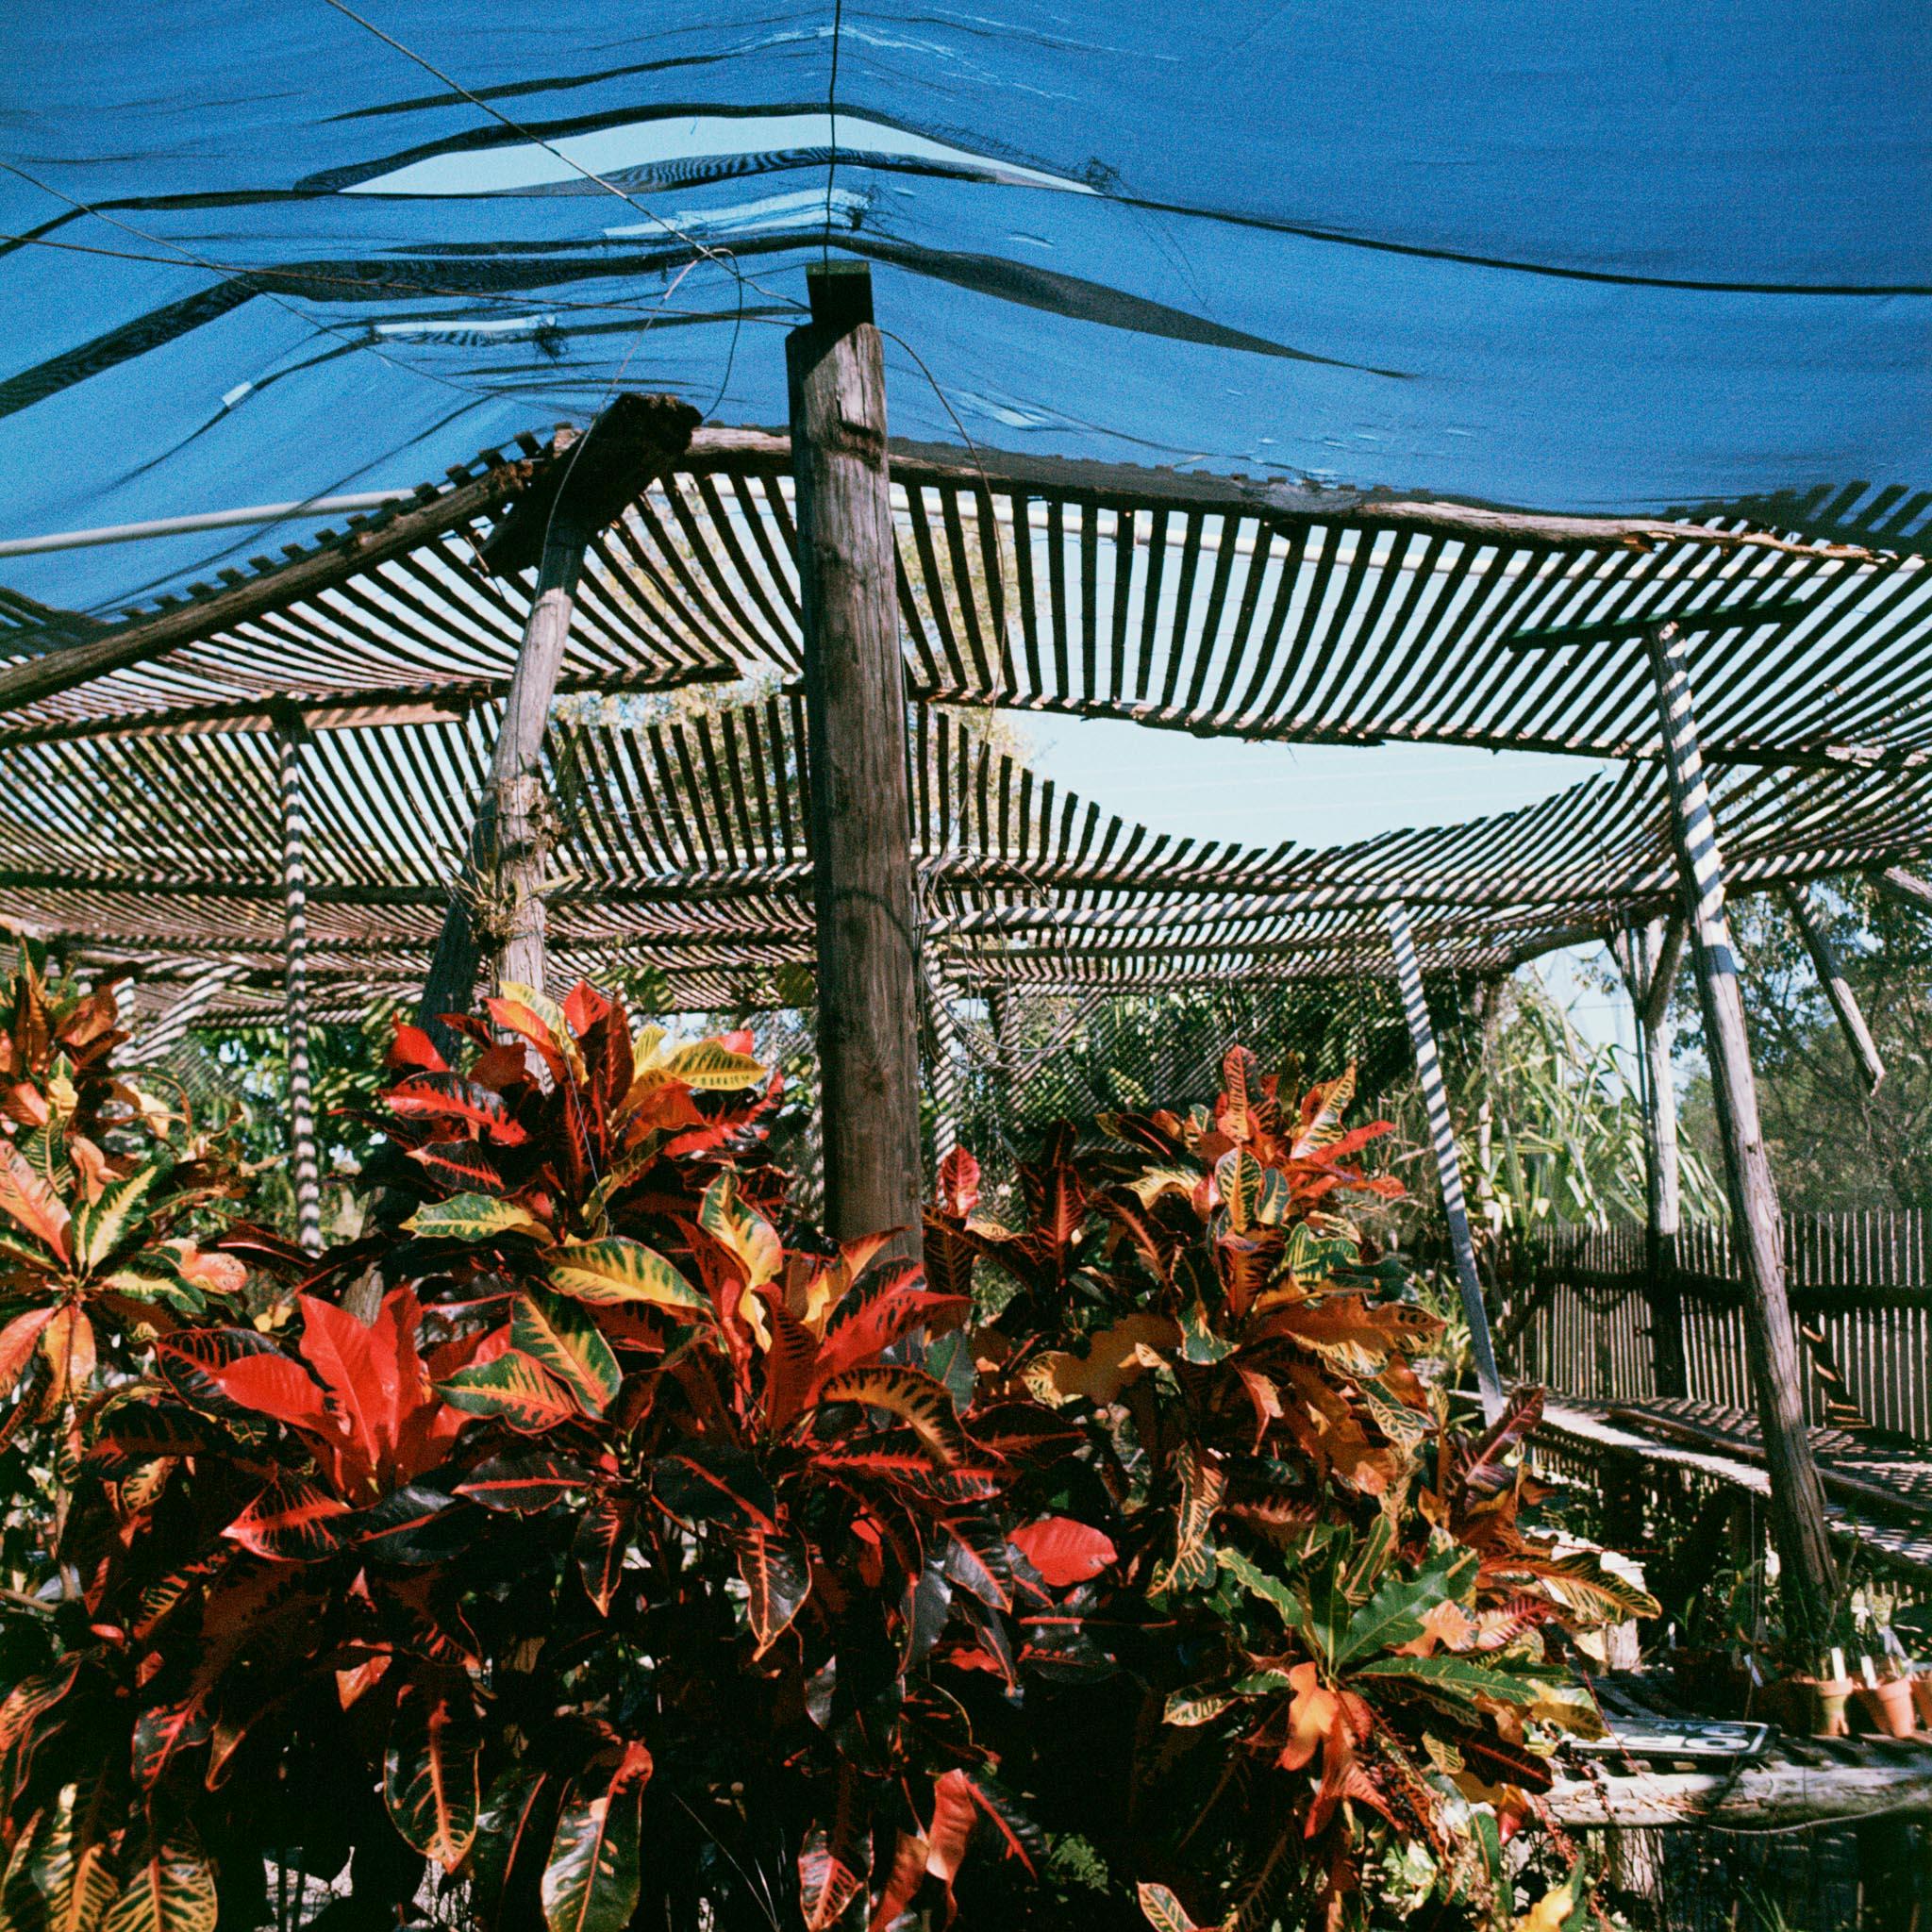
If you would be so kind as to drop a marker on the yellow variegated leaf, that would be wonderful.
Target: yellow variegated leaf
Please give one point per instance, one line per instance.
(618, 1269)
(714, 1068)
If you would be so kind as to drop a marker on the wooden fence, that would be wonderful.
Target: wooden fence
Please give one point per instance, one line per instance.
(1575, 1313)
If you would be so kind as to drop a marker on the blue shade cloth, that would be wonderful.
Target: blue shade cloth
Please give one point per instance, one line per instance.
(1566, 257)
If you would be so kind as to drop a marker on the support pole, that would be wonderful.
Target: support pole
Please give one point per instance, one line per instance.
(1838, 988)
(1436, 1099)
(1489, 1012)
(1907, 888)
(587, 484)
(508, 848)
(302, 1147)
(854, 697)
(1649, 956)
(948, 1062)
(1808, 1574)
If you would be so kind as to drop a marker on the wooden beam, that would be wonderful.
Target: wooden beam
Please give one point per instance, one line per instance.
(1428, 1068)
(1807, 1575)
(855, 689)
(1775, 1794)
(1838, 988)
(147, 638)
(306, 1162)
(1702, 622)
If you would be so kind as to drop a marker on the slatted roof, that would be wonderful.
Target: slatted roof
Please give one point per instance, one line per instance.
(1259, 610)
(140, 810)
(683, 845)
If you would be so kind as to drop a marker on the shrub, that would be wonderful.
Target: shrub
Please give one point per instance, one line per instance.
(640, 1563)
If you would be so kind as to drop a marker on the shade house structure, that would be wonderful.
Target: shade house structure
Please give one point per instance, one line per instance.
(915, 372)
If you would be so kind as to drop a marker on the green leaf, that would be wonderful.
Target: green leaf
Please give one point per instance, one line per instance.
(1271, 1589)
(430, 1780)
(475, 1218)
(620, 1270)
(1459, 1676)
(101, 1226)
(591, 1883)
(1367, 1566)
(1199, 1342)
(170, 1887)
(515, 1389)
(1395, 1614)
(558, 1333)
(1204, 1483)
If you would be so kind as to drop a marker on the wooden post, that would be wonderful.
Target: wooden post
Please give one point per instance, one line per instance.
(855, 695)
(588, 483)
(1907, 888)
(1836, 987)
(1649, 957)
(1436, 1099)
(1808, 1574)
(302, 1148)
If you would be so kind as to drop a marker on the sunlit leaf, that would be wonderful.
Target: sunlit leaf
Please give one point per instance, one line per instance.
(475, 1218)
(618, 1269)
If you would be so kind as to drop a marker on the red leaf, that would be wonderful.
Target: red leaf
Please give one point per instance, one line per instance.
(583, 1007)
(273, 1386)
(908, 1869)
(956, 1191)
(465, 1162)
(953, 1815)
(412, 1047)
(450, 1100)
(859, 1340)
(1063, 1551)
(17, 1344)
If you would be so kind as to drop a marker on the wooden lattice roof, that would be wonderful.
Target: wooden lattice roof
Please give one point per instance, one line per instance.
(139, 807)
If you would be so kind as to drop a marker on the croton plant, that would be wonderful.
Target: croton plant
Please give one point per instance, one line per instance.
(648, 1559)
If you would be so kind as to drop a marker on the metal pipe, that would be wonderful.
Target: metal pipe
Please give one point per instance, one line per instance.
(203, 520)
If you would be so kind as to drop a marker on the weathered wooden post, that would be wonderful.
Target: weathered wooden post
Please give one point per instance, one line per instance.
(585, 484)
(1428, 1068)
(1808, 1574)
(855, 747)
(1838, 988)
(307, 1168)
(1649, 957)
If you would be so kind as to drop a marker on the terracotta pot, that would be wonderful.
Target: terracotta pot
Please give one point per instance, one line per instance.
(1832, 1695)
(1922, 1697)
(1890, 1706)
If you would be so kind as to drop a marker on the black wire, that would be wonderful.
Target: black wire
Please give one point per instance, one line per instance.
(832, 116)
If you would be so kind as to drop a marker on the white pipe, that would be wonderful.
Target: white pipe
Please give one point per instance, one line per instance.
(207, 520)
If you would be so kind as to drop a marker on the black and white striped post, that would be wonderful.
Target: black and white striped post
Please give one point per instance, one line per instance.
(302, 1147)
(1808, 1574)
(1428, 1067)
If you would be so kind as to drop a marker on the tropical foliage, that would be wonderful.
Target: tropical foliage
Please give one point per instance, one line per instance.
(650, 1560)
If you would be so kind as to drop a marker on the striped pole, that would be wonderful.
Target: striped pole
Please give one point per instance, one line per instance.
(295, 990)
(1808, 1574)
(1428, 1068)
(948, 1062)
